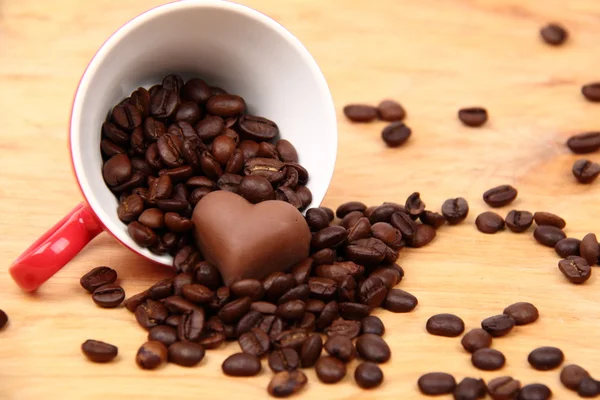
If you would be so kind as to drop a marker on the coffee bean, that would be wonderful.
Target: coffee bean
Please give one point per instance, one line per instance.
(362, 230)
(154, 129)
(591, 91)
(396, 134)
(176, 223)
(191, 325)
(293, 338)
(251, 320)
(310, 351)
(256, 128)
(98, 352)
(287, 383)
(117, 170)
(383, 213)
(588, 387)
(196, 90)
(368, 252)
(572, 375)
(187, 354)
(302, 270)
(225, 105)
(546, 358)
(423, 236)
(324, 256)
(372, 324)
(241, 364)
(503, 388)
(567, 247)
(164, 103)
(317, 219)
(179, 305)
(448, 325)
(126, 116)
(197, 293)
(583, 143)
(344, 328)
(470, 389)
(108, 296)
(519, 221)
(114, 135)
(390, 275)
(3, 319)
(546, 218)
(277, 284)
(291, 310)
(476, 339)
(327, 316)
(346, 208)
(255, 342)
(354, 311)
(373, 348)
(590, 249)
(399, 301)
(299, 293)
(109, 149)
(284, 360)
(330, 369)
(251, 288)
(98, 277)
(151, 355)
(414, 205)
(152, 218)
(455, 210)
(554, 34)
(185, 261)
(331, 236)
(436, 383)
(368, 375)
(180, 281)
(372, 292)
(256, 189)
(140, 98)
(586, 171)
(235, 310)
(173, 82)
(314, 306)
(360, 112)
(500, 196)
(548, 235)
(473, 116)
(134, 301)
(498, 325)
(432, 219)
(489, 222)
(390, 110)
(167, 335)
(534, 391)
(340, 347)
(488, 359)
(523, 313)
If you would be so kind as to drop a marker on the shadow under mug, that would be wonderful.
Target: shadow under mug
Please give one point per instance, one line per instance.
(228, 45)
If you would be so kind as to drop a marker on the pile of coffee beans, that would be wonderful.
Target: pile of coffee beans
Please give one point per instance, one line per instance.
(167, 147)
(394, 134)
(100, 282)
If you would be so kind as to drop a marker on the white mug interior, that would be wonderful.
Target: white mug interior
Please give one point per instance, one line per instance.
(228, 45)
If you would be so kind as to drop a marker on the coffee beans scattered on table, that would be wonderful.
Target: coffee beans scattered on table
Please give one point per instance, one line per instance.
(548, 235)
(151, 355)
(395, 134)
(473, 116)
(287, 383)
(504, 388)
(470, 389)
(554, 34)
(360, 112)
(368, 375)
(584, 143)
(390, 110)
(436, 383)
(500, 196)
(498, 325)
(99, 352)
(448, 325)
(488, 359)
(519, 221)
(476, 339)
(585, 171)
(575, 269)
(522, 312)
(97, 277)
(546, 358)
(567, 247)
(489, 222)
(572, 375)
(535, 391)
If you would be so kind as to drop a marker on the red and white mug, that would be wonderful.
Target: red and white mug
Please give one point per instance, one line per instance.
(228, 45)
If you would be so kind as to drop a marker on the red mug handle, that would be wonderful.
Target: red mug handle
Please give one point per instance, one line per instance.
(55, 248)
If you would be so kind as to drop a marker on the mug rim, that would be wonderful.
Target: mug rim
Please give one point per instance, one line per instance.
(116, 37)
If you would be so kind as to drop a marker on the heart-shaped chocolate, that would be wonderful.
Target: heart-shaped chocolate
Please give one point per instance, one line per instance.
(245, 240)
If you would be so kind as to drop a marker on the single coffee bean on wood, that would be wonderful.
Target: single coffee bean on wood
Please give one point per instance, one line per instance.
(368, 375)
(448, 325)
(360, 112)
(287, 383)
(588, 387)
(546, 218)
(473, 116)
(488, 359)
(470, 389)
(582, 143)
(151, 355)
(591, 91)
(186, 354)
(436, 383)
(476, 339)
(567, 247)
(575, 269)
(548, 235)
(241, 364)
(554, 34)
(572, 375)
(498, 325)
(586, 171)
(390, 110)
(99, 352)
(489, 222)
(455, 210)
(330, 369)
(400, 301)
(395, 134)
(500, 196)
(108, 296)
(535, 391)
(590, 249)
(523, 313)
(546, 358)
(503, 388)
(519, 221)
(97, 277)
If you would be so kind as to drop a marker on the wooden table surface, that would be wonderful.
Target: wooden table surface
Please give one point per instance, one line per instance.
(434, 57)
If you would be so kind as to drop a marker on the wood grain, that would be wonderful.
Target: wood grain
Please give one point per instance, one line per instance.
(434, 57)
